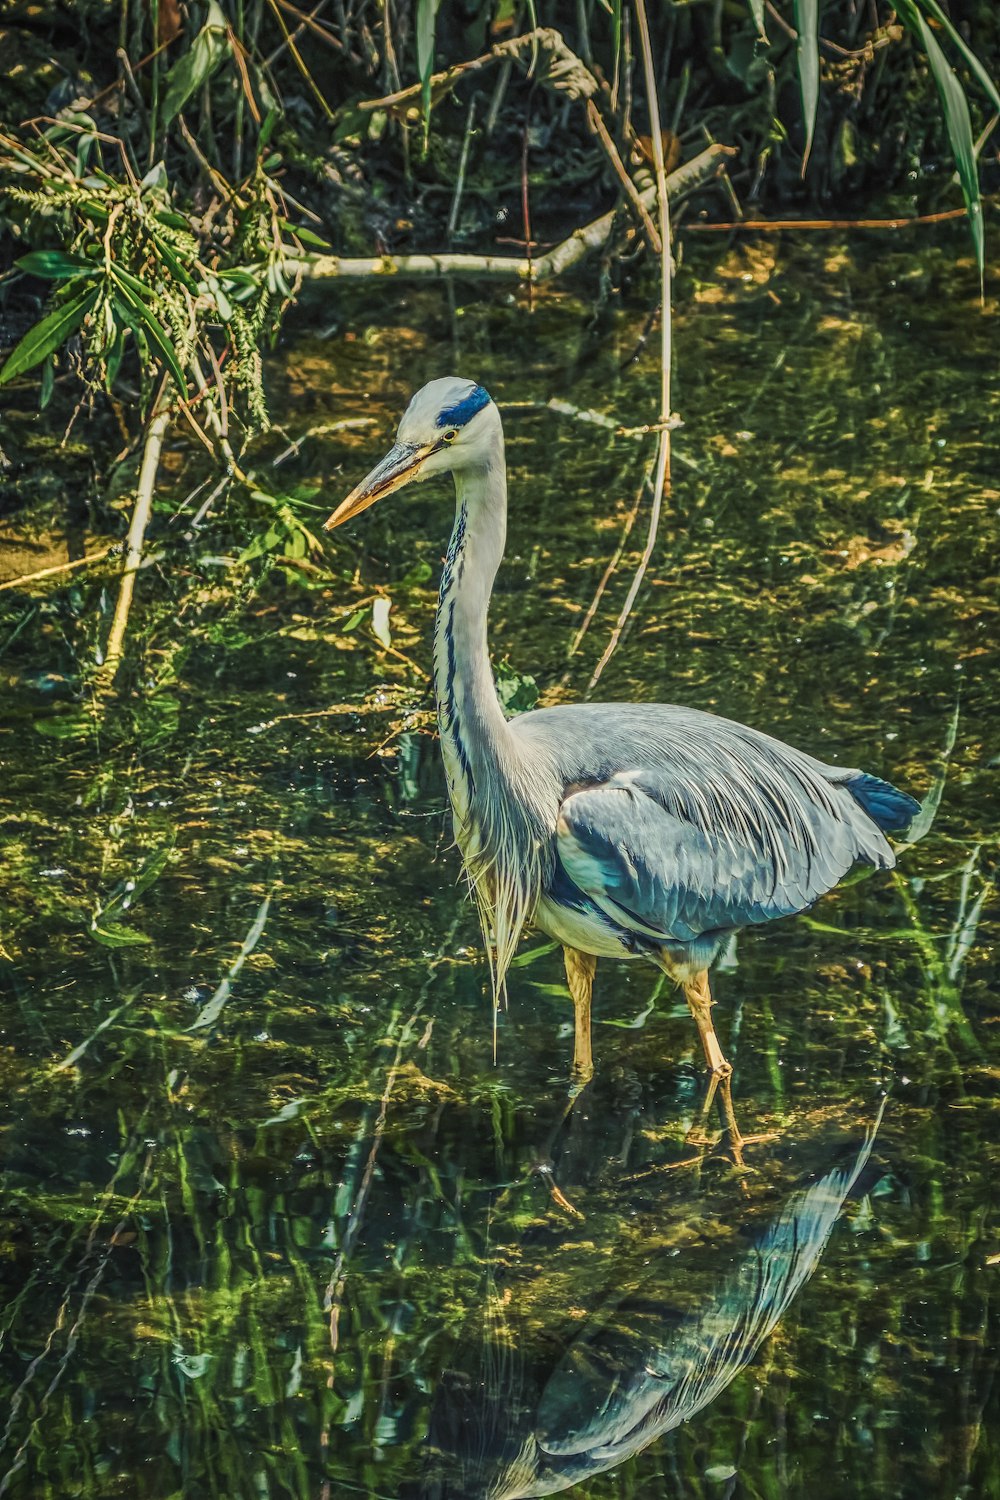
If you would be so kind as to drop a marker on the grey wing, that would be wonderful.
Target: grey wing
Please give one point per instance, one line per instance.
(672, 862)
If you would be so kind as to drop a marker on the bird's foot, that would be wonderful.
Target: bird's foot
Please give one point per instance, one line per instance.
(737, 1142)
(544, 1170)
(702, 1138)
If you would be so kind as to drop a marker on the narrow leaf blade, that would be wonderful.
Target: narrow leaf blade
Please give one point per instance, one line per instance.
(48, 335)
(54, 265)
(757, 11)
(380, 620)
(135, 311)
(807, 49)
(973, 62)
(959, 127)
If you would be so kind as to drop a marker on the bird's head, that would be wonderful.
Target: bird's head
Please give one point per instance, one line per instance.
(450, 424)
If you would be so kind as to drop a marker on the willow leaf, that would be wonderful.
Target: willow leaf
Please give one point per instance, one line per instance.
(49, 334)
(55, 265)
(196, 66)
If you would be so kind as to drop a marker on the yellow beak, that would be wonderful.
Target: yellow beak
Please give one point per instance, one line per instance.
(401, 464)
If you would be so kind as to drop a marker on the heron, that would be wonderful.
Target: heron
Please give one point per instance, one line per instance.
(621, 830)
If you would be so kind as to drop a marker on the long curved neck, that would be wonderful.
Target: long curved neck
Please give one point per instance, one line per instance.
(474, 732)
(504, 804)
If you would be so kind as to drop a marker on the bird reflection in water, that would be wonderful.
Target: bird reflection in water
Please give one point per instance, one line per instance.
(508, 1423)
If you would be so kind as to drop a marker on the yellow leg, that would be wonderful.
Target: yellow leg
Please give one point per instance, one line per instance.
(580, 969)
(700, 1002)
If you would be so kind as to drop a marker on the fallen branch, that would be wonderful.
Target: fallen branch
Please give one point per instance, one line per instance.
(582, 242)
(66, 567)
(773, 225)
(565, 72)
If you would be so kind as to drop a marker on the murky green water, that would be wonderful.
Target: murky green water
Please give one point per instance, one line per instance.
(319, 1245)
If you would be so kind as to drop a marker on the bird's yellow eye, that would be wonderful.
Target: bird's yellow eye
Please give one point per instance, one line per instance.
(450, 435)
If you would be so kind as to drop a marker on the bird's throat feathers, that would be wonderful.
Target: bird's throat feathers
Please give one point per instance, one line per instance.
(501, 833)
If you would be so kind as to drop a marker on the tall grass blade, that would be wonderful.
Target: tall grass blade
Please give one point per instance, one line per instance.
(955, 37)
(426, 19)
(757, 10)
(807, 49)
(924, 821)
(958, 124)
(212, 1010)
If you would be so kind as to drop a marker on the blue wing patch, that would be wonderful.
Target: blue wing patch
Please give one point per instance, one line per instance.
(885, 804)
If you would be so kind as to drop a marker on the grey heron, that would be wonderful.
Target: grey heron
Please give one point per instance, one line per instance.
(622, 830)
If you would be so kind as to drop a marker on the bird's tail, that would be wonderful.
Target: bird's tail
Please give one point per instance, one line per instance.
(884, 803)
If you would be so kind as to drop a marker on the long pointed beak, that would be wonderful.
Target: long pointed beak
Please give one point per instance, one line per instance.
(400, 465)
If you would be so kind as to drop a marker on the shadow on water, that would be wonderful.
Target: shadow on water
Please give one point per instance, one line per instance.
(272, 1223)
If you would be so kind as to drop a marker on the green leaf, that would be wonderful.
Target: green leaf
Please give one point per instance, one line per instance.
(72, 726)
(924, 821)
(113, 359)
(49, 334)
(55, 265)
(807, 50)
(131, 890)
(267, 129)
(196, 66)
(172, 220)
(138, 288)
(174, 263)
(305, 235)
(518, 692)
(957, 123)
(523, 959)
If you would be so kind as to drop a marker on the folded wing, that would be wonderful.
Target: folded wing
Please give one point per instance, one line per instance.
(673, 862)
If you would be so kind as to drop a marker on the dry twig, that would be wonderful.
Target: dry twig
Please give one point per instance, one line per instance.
(661, 483)
(66, 567)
